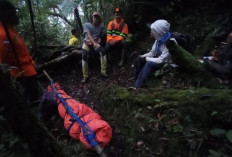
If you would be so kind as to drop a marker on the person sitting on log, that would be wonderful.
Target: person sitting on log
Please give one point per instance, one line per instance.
(117, 32)
(159, 54)
(220, 63)
(93, 32)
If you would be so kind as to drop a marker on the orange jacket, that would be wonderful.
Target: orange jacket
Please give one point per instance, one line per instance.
(7, 55)
(102, 130)
(115, 33)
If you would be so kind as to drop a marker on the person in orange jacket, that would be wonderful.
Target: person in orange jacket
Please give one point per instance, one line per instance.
(117, 32)
(14, 52)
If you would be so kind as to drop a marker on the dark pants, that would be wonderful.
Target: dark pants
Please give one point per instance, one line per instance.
(122, 45)
(30, 88)
(219, 69)
(141, 74)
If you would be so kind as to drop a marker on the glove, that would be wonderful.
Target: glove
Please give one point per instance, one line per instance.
(141, 56)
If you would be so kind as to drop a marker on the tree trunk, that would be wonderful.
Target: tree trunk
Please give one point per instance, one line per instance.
(77, 16)
(32, 24)
(190, 65)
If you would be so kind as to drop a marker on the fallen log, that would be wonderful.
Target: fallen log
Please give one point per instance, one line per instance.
(50, 46)
(59, 59)
(191, 66)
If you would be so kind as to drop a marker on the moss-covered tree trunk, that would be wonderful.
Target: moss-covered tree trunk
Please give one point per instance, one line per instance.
(190, 65)
(24, 124)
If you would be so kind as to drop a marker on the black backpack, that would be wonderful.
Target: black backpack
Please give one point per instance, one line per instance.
(186, 41)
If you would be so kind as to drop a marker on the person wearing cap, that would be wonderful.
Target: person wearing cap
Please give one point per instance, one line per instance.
(117, 32)
(158, 56)
(15, 54)
(73, 39)
(93, 32)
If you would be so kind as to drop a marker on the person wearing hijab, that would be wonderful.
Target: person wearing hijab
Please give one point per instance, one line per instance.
(158, 55)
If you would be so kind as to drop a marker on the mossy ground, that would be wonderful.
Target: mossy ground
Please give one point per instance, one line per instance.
(167, 122)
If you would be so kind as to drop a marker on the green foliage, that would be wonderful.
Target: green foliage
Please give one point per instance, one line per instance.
(214, 153)
(229, 135)
(217, 132)
(50, 29)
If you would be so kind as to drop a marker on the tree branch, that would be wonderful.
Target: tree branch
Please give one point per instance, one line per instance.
(62, 17)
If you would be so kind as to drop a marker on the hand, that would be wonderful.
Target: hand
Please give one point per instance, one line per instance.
(99, 40)
(112, 42)
(96, 45)
(88, 43)
(148, 58)
(141, 56)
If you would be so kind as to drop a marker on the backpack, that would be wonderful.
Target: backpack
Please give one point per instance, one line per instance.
(186, 41)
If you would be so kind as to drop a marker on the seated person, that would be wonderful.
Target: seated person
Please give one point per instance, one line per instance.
(73, 39)
(117, 31)
(93, 32)
(220, 62)
(158, 55)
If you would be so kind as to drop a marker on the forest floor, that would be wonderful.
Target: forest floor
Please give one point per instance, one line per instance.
(169, 117)
(69, 77)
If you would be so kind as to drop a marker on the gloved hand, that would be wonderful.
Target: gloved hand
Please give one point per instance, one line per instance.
(141, 56)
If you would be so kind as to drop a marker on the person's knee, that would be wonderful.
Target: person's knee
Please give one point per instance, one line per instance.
(107, 47)
(85, 55)
(150, 64)
(123, 43)
(101, 51)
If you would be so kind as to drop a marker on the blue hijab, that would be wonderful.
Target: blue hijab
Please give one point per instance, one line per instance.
(161, 42)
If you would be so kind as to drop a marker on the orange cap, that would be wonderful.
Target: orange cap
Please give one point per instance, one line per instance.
(116, 10)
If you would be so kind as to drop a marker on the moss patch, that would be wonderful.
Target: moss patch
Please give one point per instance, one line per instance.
(168, 122)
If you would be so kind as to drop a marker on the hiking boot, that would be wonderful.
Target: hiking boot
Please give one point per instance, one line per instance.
(105, 75)
(84, 80)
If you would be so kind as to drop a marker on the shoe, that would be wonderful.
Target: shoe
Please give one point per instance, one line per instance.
(132, 88)
(84, 80)
(105, 75)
